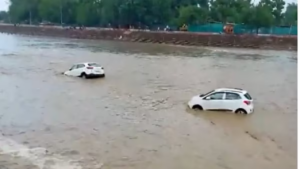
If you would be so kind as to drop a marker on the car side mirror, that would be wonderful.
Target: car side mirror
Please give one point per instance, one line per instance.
(201, 95)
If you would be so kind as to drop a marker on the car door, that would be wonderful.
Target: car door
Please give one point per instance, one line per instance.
(71, 72)
(232, 101)
(214, 101)
(76, 70)
(79, 69)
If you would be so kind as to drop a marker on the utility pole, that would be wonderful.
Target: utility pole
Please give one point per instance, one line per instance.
(61, 13)
(29, 8)
(30, 17)
(130, 14)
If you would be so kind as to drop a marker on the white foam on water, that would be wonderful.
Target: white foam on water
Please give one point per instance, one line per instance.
(37, 156)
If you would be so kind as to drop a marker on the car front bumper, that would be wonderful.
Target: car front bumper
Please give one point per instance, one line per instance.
(190, 105)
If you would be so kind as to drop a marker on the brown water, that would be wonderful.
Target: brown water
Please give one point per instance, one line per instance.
(136, 117)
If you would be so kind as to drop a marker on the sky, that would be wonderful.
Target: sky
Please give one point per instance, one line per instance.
(4, 4)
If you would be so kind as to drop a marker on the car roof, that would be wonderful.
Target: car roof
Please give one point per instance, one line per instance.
(236, 90)
(85, 63)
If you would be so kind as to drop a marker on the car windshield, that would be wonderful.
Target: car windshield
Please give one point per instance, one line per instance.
(73, 67)
(206, 93)
(94, 64)
(247, 95)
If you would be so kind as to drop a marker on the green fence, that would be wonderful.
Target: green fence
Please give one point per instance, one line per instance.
(212, 28)
(242, 29)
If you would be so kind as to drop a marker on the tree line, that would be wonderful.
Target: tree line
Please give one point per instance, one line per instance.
(138, 13)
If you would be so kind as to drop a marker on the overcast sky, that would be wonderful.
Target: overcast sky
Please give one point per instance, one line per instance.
(4, 3)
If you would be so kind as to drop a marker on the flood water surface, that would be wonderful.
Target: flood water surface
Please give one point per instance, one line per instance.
(137, 116)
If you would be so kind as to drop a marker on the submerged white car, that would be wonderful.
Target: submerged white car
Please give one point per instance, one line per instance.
(86, 70)
(228, 99)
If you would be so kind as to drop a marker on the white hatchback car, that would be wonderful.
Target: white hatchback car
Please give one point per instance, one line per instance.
(86, 70)
(227, 99)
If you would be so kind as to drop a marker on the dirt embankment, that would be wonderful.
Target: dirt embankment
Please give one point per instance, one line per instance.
(177, 38)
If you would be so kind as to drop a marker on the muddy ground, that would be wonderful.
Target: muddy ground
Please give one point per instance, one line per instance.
(136, 117)
(161, 37)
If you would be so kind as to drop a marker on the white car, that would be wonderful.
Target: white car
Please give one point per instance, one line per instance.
(228, 99)
(86, 70)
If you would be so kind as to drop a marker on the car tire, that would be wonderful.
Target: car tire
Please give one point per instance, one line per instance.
(83, 75)
(241, 111)
(197, 107)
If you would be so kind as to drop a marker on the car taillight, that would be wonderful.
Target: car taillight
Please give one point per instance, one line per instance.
(247, 102)
(90, 67)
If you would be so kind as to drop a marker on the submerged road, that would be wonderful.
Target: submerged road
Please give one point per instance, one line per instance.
(136, 117)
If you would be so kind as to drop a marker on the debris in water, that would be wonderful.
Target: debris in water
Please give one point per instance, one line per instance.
(251, 135)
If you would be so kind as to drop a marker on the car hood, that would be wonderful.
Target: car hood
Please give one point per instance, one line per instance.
(195, 97)
(66, 72)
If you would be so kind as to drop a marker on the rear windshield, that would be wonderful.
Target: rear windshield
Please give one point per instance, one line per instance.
(94, 64)
(247, 95)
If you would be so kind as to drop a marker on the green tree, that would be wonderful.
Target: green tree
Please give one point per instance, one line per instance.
(50, 10)
(18, 10)
(153, 13)
(87, 14)
(290, 15)
(192, 15)
(3, 16)
(110, 13)
(262, 17)
(222, 10)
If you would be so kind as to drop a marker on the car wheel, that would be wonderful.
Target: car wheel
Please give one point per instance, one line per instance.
(241, 111)
(197, 107)
(83, 75)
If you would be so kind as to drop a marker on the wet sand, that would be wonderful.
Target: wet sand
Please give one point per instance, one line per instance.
(136, 117)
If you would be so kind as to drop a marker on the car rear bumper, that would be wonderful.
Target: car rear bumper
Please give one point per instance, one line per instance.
(250, 110)
(96, 72)
(95, 75)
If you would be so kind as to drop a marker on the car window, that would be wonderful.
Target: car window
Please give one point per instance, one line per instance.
(80, 66)
(232, 96)
(247, 95)
(216, 96)
(94, 64)
(207, 93)
(73, 67)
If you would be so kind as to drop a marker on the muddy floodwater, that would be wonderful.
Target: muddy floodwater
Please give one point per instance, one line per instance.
(136, 117)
